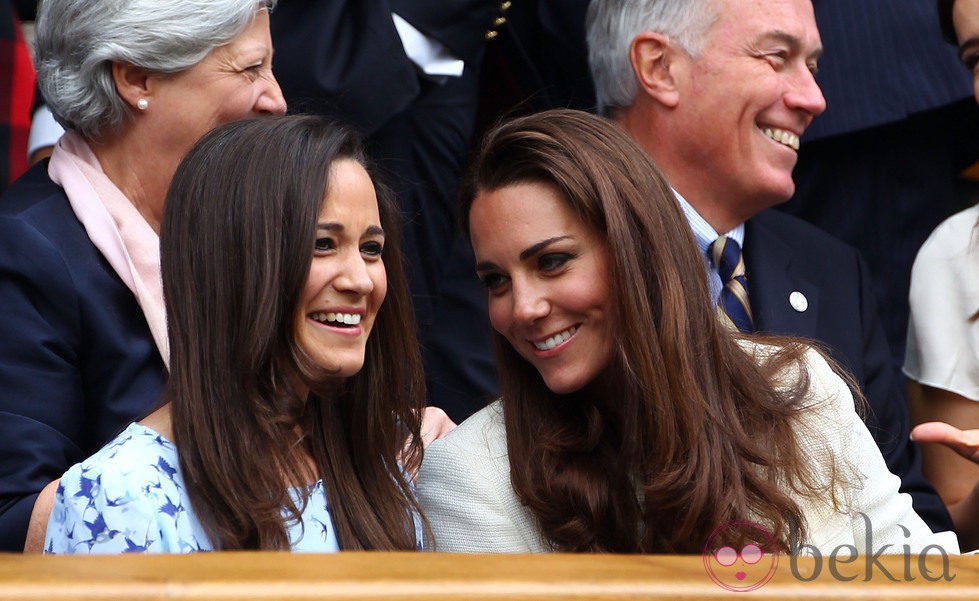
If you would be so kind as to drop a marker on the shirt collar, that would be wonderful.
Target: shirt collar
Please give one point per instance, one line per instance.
(702, 231)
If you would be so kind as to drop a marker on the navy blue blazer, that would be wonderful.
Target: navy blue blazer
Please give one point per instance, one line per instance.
(783, 255)
(77, 360)
(884, 60)
(345, 59)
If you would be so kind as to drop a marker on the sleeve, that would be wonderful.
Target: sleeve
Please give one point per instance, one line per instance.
(467, 497)
(943, 344)
(106, 508)
(41, 399)
(879, 514)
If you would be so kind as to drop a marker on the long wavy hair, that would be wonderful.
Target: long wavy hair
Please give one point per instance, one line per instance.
(236, 248)
(693, 430)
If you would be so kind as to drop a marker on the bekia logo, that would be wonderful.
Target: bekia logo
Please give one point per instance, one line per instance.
(751, 566)
(745, 569)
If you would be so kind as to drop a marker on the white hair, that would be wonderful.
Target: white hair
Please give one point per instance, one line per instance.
(76, 42)
(611, 25)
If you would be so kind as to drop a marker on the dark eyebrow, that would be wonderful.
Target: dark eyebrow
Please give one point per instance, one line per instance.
(536, 248)
(372, 230)
(524, 254)
(486, 266)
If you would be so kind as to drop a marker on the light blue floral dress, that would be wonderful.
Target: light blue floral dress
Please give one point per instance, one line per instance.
(130, 498)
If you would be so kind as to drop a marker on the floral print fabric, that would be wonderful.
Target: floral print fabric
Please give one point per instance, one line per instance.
(130, 498)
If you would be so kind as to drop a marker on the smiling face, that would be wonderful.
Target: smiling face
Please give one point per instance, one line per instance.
(347, 281)
(743, 103)
(232, 82)
(547, 277)
(965, 17)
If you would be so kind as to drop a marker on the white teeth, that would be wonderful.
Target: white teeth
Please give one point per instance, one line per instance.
(347, 319)
(556, 339)
(783, 137)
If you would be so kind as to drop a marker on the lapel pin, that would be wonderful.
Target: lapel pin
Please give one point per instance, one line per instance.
(799, 301)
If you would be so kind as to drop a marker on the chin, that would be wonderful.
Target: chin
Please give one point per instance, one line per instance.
(563, 386)
(340, 367)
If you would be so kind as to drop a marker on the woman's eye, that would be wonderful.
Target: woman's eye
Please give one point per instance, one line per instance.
(324, 245)
(553, 261)
(372, 248)
(493, 281)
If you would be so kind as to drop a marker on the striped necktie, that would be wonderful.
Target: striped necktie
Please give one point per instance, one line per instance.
(733, 304)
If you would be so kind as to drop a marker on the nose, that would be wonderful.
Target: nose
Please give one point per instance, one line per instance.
(354, 277)
(271, 101)
(529, 303)
(804, 94)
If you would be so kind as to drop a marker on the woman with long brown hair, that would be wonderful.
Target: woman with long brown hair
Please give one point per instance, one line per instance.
(631, 419)
(292, 413)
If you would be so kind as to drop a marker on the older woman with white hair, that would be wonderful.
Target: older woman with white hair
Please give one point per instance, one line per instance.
(82, 333)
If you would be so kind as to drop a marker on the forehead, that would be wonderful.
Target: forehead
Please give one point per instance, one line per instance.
(965, 18)
(529, 203)
(350, 194)
(740, 22)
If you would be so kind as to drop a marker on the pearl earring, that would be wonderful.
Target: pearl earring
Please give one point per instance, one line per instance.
(142, 104)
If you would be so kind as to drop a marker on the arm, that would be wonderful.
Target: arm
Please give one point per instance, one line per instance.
(41, 399)
(39, 518)
(875, 500)
(952, 470)
(962, 448)
(126, 498)
(464, 489)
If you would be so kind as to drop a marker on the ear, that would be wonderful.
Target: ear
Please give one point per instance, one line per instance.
(132, 83)
(653, 57)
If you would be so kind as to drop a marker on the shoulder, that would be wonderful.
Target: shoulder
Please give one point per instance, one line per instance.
(483, 434)
(825, 386)
(773, 224)
(137, 461)
(31, 192)
(470, 457)
(943, 339)
(39, 232)
(954, 238)
(464, 488)
(127, 497)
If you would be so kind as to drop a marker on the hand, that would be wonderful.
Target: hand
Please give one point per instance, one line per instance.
(435, 425)
(963, 442)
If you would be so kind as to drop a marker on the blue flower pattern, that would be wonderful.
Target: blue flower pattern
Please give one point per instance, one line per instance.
(129, 498)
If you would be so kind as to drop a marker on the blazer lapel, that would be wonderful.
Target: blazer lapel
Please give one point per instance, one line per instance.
(782, 301)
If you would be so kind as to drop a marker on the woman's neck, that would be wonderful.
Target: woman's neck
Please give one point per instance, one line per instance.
(159, 421)
(141, 174)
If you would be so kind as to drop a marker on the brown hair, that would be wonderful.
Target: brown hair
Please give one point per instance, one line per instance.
(691, 432)
(237, 244)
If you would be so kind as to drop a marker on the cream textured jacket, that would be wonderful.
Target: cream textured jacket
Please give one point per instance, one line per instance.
(464, 484)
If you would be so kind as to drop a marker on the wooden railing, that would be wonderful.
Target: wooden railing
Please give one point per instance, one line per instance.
(435, 576)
